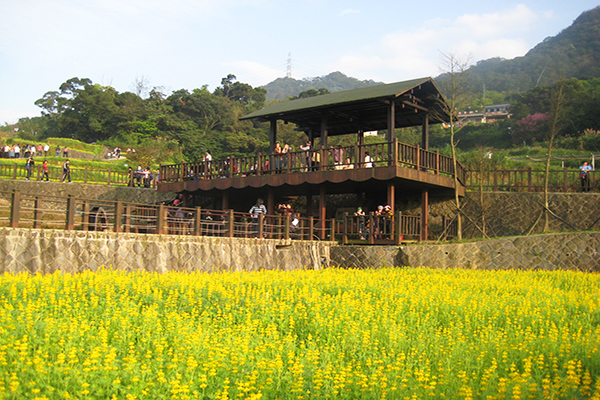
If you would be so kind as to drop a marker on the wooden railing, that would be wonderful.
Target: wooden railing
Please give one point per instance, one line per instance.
(25, 211)
(378, 229)
(383, 155)
(529, 180)
(50, 212)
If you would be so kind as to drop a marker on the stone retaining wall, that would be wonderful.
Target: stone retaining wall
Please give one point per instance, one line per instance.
(570, 251)
(48, 250)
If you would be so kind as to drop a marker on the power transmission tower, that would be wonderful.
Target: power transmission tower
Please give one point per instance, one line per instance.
(288, 72)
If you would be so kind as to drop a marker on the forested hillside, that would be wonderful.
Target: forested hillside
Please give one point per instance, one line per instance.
(184, 124)
(573, 53)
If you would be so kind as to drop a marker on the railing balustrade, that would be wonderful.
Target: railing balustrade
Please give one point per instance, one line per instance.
(26, 211)
(529, 180)
(50, 212)
(319, 159)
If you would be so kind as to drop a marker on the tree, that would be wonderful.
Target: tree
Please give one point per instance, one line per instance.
(241, 92)
(454, 88)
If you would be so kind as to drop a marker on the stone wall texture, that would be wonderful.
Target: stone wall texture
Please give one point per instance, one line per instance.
(569, 251)
(48, 250)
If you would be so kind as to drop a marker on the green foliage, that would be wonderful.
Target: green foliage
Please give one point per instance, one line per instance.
(153, 152)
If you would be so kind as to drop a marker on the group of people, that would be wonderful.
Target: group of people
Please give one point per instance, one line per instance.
(24, 151)
(28, 151)
(30, 164)
(141, 177)
(381, 226)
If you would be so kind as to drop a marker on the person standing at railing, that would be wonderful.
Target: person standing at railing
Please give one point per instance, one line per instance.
(66, 169)
(584, 176)
(360, 218)
(256, 211)
(277, 157)
(368, 160)
(284, 156)
(57, 151)
(307, 149)
(45, 170)
(207, 162)
(29, 167)
(46, 149)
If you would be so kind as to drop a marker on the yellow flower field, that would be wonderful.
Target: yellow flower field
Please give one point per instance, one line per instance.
(341, 334)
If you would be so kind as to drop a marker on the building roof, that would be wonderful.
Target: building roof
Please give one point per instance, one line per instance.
(364, 109)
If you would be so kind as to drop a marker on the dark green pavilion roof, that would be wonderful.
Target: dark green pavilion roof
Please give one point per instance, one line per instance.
(363, 109)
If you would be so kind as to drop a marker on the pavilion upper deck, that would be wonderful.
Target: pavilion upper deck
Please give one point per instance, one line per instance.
(336, 166)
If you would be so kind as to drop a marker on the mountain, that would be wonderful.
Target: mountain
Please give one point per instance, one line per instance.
(573, 53)
(282, 88)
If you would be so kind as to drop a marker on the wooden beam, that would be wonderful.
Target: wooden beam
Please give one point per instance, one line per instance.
(322, 211)
(391, 123)
(272, 135)
(324, 131)
(418, 107)
(425, 133)
(424, 214)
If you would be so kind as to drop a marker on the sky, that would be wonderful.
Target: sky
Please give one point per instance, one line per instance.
(186, 44)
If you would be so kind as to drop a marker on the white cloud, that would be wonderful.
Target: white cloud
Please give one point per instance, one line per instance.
(254, 73)
(349, 11)
(416, 53)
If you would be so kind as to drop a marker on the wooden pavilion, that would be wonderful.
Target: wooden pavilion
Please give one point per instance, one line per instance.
(394, 167)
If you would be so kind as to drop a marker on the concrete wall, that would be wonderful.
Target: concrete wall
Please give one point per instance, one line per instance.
(570, 251)
(49, 250)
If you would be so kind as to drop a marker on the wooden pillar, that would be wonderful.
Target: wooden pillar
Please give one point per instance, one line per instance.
(15, 208)
(425, 133)
(322, 211)
(272, 135)
(224, 200)
(118, 216)
(270, 201)
(324, 132)
(70, 225)
(391, 196)
(424, 214)
(37, 214)
(391, 122)
(360, 150)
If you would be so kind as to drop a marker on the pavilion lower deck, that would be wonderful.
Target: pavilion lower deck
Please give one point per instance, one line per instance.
(393, 169)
